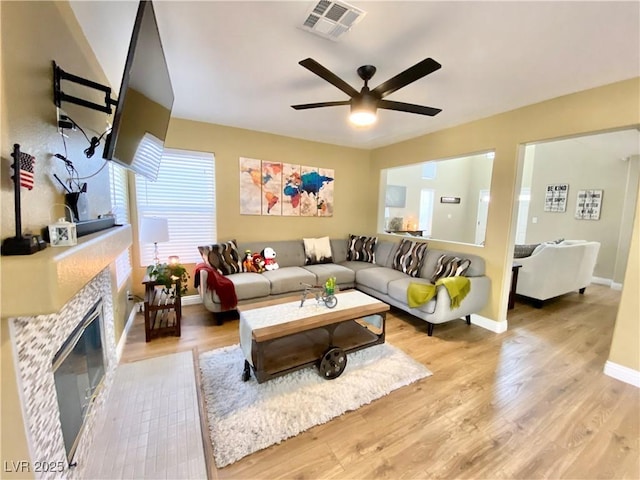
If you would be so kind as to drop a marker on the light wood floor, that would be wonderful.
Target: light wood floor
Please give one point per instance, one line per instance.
(529, 403)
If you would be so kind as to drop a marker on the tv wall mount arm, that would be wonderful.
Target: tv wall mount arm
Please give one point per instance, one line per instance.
(59, 96)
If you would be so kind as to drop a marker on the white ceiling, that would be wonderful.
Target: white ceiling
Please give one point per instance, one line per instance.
(236, 63)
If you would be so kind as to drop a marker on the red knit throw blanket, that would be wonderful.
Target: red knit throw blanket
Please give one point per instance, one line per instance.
(219, 284)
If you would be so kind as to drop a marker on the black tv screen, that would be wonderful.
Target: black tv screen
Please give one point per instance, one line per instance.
(144, 102)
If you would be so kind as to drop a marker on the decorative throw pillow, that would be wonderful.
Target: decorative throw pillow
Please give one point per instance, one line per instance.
(224, 257)
(317, 250)
(362, 249)
(450, 266)
(522, 251)
(409, 257)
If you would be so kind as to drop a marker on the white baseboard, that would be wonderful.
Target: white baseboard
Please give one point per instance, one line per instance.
(191, 300)
(492, 325)
(125, 332)
(622, 373)
(607, 282)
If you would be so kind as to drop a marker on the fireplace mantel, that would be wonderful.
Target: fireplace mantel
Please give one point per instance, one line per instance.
(44, 282)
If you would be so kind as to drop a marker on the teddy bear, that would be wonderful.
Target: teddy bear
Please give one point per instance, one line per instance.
(269, 255)
(247, 263)
(258, 262)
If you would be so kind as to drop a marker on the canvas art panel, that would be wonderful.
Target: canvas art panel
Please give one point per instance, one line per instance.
(271, 188)
(291, 189)
(276, 188)
(325, 192)
(309, 191)
(250, 186)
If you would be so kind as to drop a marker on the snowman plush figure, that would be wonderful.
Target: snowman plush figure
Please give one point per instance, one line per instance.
(269, 255)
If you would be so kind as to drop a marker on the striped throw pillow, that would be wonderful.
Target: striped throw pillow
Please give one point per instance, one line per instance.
(450, 266)
(409, 257)
(362, 249)
(224, 257)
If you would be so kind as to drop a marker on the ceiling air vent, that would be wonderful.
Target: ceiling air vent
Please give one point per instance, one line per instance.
(331, 19)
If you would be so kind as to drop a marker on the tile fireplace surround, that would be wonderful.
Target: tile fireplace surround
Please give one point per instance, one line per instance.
(36, 338)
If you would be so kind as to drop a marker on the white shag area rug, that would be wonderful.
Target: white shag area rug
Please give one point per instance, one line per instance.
(245, 417)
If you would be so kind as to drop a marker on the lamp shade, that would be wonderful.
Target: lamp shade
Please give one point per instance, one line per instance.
(154, 230)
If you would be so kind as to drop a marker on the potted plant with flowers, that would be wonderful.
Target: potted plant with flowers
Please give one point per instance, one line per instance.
(167, 274)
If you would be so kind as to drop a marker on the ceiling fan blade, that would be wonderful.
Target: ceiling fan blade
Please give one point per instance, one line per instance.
(305, 106)
(411, 74)
(332, 78)
(408, 107)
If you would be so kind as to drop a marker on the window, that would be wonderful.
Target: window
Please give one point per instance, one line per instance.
(184, 194)
(120, 208)
(429, 170)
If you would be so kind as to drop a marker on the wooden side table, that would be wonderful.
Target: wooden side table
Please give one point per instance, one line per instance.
(162, 310)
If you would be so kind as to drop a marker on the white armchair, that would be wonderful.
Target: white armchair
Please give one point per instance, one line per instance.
(556, 269)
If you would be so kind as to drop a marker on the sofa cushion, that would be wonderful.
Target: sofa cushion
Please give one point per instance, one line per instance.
(343, 275)
(378, 278)
(317, 250)
(450, 266)
(523, 251)
(224, 257)
(248, 285)
(362, 249)
(289, 279)
(397, 290)
(290, 253)
(385, 252)
(409, 256)
(476, 269)
(356, 266)
(339, 249)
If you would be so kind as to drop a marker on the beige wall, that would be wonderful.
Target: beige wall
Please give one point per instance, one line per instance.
(33, 34)
(625, 346)
(354, 194)
(581, 167)
(457, 177)
(609, 107)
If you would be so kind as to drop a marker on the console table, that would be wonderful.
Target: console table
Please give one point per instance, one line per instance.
(162, 309)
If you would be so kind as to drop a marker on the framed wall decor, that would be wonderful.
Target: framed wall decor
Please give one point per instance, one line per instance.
(396, 196)
(277, 189)
(449, 199)
(588, 204)
(555, 197)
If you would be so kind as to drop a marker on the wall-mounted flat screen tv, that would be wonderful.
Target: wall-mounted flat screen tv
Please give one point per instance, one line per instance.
(144, 102)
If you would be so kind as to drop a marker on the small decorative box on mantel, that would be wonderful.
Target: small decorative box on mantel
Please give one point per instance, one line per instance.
(63, 234)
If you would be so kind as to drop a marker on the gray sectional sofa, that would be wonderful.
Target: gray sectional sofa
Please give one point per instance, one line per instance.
(379, 279)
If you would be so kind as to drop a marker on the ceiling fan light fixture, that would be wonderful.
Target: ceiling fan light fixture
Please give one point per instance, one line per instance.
(363, 118)
(363, 111)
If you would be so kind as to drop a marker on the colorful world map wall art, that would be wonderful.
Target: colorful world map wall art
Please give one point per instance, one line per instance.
(285, 189)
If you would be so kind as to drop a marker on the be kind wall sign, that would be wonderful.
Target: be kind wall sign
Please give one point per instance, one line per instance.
(555, 198)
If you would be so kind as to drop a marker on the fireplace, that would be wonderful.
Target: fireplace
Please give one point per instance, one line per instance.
(65, 366)
(78, 371)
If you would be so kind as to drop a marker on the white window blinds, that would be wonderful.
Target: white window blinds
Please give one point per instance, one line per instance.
(148, 155)
(184, 194)
(119, 193)
(120, 208)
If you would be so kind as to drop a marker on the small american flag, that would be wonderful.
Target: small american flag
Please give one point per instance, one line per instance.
(27, 170)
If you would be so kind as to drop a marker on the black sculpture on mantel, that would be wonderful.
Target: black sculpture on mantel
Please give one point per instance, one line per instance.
(20, 244)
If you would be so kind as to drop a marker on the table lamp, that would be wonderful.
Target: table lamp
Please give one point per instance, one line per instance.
(154, 230)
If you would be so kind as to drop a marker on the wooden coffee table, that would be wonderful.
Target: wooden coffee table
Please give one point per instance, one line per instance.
(280, 336)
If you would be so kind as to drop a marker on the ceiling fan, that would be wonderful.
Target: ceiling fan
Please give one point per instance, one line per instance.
(365, 102)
